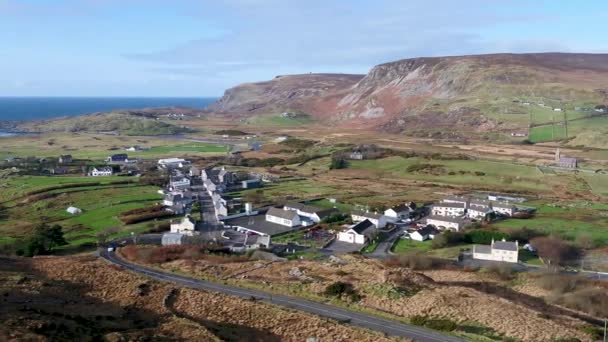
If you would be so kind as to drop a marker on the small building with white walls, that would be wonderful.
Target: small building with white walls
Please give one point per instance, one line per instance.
(497, 251)
(359, 233)
(187, 226)
(283, 217)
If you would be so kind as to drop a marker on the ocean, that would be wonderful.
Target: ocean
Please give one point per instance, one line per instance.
(39, 108)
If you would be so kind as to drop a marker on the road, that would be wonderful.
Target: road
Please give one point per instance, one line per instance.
(210, 222)
(382, 250)
(355, 318)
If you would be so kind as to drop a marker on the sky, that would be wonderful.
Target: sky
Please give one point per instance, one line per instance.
(202, 47)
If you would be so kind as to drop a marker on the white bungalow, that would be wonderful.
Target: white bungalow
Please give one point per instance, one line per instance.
(283, 217)
(378, 220)
(104, 171)
(426, 233)
(359, 233)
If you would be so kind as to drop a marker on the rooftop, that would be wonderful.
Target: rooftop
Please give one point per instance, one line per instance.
(367, 214)
(449, 205)
(505, 245)
(284, 214)
(258, 223)
(445, 219)
(362, 226)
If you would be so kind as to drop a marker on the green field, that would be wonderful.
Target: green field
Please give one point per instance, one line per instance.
(407, 246)
(598, 183)
(570, 220)
(191, 147)
(496, 175)
(547, 133)
(101, 205)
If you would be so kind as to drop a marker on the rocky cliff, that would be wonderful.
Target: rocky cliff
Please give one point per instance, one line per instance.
(467, 91)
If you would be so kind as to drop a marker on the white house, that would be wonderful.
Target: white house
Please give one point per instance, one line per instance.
(179, 183)
(399, 212)
(169, 239)
(479, 209)
(359, 233)
(103, 171)
(175, 198)
(445, 222)
(187, 226)
(378, 220)
(504, 208)
(172, 163)
(283, 217)
(73, 210)
(426, 233)
(313, 213)
(557, 109)
(498, 251)
(448, 209)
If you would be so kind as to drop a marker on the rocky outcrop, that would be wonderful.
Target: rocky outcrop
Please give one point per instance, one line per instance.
(397, 94)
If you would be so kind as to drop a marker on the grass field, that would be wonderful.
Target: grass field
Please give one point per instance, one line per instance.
(598, 183)
(569, 221)
(496, 175)
(101, 205)
(191, 147)
(547, 133)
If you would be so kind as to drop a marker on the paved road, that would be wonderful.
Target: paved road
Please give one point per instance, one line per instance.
(210, 222)
(343, 315)
(382, 250)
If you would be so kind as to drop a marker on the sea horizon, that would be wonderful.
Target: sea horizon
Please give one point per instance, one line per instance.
(26, 108)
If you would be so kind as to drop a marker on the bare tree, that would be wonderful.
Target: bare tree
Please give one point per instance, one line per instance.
(556, 252)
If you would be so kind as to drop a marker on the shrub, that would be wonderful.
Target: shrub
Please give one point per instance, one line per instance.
(298, 144)
(483, 236)
(441, 324)
(418, 320)
(593, 332)
(502, 271)
(340, 289)
(479, 173)
(416, 262)
(559, 284)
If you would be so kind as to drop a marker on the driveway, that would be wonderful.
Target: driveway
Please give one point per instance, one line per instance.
(341, 247)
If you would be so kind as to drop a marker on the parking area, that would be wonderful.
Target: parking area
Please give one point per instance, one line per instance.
(341, 247)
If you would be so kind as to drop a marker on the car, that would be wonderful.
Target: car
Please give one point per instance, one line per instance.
(111, 249)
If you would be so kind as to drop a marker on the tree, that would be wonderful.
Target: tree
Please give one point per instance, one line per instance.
(44, 239)
(104, 235)
(555, 251)
(338, 163)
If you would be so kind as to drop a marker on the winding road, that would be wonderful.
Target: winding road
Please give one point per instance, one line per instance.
(355, 318)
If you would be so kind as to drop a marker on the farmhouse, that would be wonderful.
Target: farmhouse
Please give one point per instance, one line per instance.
(313, 213)
(187, 226)
(283, 217)
(65, 159)
(426, 233)
(401, 211)
(445, 222)
(118, 158)
(103, 171)
(378, 220)
(359, 233)
(448, 209)
(497, 251)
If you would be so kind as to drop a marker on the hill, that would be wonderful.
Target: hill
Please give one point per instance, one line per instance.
(129, 122)
(474, 94)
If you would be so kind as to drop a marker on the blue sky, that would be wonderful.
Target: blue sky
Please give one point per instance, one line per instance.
(200, 48)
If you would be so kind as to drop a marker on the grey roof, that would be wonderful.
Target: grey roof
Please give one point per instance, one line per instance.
(567, 160)
(480, 203)
(362, 226)
(449, 205)
(401, 208)
(502, 205)
(428, 230)
(505, 245)
(258, 223)
(284, 214)
(311, 209)
(445, 219)
(458, 198)
(484, 249)
(104, 168)
(367, 214)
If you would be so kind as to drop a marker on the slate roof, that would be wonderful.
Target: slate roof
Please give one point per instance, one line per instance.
(284, 214)
(362, 226)
(367, 214)
(449, 205)
(428, 230)
(259, 224)
(401, 208)
(502, 205)
(484, 249)
(505, 245)
(445, 219)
